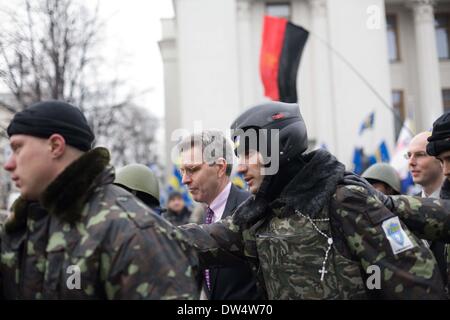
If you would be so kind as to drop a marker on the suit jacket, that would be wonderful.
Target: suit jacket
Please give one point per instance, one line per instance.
(236, 283)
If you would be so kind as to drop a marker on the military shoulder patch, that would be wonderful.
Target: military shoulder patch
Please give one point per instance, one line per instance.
(398, 239)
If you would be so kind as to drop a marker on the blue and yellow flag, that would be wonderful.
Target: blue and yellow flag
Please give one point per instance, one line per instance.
(367, 123)
(176, 184)
(363, 159)
(175, 180)
(381, 154)
(238, 180)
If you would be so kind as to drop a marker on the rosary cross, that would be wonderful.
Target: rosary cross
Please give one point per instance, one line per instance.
(322, 271)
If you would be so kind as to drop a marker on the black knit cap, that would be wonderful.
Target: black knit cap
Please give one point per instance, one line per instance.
(43, 119)
(439, 141)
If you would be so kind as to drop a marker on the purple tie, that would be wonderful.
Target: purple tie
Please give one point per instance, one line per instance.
(208, 220)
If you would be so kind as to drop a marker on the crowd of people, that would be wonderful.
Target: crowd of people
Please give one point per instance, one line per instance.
(307, 228)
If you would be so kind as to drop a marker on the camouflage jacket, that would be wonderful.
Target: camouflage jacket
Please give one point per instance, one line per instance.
(427, 217)
(93, 240)
(289, 242)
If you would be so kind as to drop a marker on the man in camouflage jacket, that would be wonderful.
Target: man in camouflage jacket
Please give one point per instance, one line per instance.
(78, 236)
(308, 236)
(427, 218)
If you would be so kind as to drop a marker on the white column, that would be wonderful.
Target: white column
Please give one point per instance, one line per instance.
(430, 96)
(324, 111)
(208, 63)
(246, 89)
(172, 119)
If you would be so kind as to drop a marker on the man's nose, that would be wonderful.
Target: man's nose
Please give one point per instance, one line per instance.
(10, 165)
(242, 168)
(186, 179)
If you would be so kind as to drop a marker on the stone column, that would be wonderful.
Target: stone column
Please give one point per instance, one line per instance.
(245, 57)
(324, 113)
(430, 93)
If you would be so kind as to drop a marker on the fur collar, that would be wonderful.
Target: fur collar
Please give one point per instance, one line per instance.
(314, 185)
(66, 196)
(309, 191)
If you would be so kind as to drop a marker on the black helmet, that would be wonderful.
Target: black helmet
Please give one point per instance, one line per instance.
(439, 141)
(286, 117)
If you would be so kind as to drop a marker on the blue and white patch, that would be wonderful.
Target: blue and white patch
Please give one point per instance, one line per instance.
(398, 239)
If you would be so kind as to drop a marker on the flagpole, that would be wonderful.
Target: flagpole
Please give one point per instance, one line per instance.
(362, 78)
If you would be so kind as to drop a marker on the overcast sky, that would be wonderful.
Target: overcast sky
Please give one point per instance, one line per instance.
(130, 46)
(132, 34)
(133, 31)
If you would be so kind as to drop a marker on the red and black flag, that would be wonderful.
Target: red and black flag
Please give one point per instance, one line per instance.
(281, 50)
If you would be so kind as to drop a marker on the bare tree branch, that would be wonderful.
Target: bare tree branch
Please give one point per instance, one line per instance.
(49, 53)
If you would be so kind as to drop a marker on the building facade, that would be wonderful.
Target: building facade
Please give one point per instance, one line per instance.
(390, 57)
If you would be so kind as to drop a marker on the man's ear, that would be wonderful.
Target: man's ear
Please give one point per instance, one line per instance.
(57, 145)
(222, 165)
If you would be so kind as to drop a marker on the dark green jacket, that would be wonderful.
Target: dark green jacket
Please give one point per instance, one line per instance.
(90, 227)
(177, 219)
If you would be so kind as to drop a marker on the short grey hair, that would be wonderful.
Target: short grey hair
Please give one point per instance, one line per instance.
(214, 145)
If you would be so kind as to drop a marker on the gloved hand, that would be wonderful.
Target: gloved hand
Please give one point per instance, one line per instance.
(352, 179)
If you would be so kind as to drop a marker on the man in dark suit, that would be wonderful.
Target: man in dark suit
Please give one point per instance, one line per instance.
(206, 165)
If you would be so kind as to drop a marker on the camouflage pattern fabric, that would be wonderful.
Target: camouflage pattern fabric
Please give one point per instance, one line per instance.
(87, 225)
(429, 218)
(289, 243)
(289, 253)
(409, 274)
